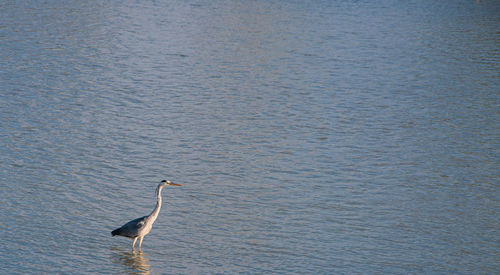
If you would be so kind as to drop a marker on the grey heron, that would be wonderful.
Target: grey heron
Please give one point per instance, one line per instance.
(138, 228)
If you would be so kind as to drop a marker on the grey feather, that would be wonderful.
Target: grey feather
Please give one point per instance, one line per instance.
(130, 229)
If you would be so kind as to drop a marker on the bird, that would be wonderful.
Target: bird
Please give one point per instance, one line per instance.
(140, 227)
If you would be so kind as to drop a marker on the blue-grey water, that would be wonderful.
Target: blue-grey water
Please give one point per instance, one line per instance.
(311, 137)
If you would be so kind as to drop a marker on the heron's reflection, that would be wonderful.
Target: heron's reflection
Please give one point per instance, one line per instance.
(135, 261)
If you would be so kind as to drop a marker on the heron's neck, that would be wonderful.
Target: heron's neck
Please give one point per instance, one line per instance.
(156, 211)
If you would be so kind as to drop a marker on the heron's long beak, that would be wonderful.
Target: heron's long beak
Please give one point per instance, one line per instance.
(175, 184)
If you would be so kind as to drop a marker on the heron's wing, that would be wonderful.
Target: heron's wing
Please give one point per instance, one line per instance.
(132, 228)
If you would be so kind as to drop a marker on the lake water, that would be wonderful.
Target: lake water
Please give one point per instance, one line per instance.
(311, 137)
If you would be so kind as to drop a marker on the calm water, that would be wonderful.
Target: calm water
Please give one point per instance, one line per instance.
(311, 137)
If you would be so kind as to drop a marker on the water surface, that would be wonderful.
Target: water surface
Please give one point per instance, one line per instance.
(315, 137)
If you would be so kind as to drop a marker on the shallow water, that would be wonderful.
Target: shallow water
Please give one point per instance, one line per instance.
(310, 137)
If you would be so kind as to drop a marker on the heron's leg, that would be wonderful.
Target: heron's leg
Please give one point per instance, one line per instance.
(140, 242)
(133, 244)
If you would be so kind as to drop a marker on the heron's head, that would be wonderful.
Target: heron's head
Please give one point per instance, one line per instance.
(167, 182)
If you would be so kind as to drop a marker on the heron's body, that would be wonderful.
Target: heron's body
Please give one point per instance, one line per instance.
(140, 227)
